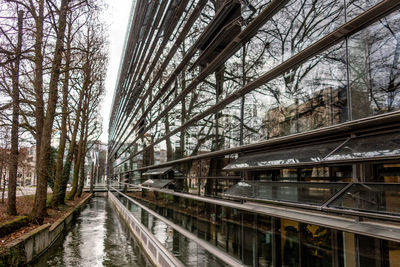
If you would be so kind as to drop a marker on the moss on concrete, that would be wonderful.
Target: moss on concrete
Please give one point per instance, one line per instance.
(11, 226)
(13, 256)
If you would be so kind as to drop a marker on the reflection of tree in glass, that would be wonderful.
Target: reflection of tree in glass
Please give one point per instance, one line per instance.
(375, 67)
(299, 100)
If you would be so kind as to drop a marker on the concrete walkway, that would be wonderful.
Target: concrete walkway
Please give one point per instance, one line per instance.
(24, 191)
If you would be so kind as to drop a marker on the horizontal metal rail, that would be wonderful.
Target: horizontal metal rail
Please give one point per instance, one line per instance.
(149, 53)
(204, 244)
(326, 42)
(232, 47)
(157, 252)
(193, 17)
(331, 133)
(325, 218)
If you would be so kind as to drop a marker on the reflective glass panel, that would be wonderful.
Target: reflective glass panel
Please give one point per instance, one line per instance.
(304, 193)
(388, 172)
(374, 68)
(381, 198)
(310, 96)
(157, 183)
(159, 171)
(378, 146)
(293, 156)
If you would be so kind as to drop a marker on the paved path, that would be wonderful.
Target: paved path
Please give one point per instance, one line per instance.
(25, 191)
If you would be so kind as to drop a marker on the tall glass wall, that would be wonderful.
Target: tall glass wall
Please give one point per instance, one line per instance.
(356, 78)
(260, 240)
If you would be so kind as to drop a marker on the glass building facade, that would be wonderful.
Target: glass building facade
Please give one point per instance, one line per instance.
(270, 128)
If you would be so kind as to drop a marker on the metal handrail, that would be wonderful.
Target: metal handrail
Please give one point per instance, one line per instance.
(327, 217)
(210, 248)
(148, 234)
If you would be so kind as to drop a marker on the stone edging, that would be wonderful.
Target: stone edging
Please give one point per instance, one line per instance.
(31, 245)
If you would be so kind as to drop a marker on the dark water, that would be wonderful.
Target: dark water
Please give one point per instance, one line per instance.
(98, 238)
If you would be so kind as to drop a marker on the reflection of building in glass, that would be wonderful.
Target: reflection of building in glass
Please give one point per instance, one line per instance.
(324, 108)
(267, 128)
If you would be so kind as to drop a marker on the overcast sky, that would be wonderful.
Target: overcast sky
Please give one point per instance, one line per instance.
(117, 15)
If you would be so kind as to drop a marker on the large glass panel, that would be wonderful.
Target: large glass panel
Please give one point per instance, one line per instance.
(292, 156)
(374, 68)
(349, 250)
(316, 246)
(172, 147)
(343, 173)
(160, 153)
(229, 125)
(200, 138)
(282, 175)
(369, 147)
(380, 198)
(266, 237)
(194, 171)
(302, 193)
(292, 29)
(387, 173)
(157, 183)
(315, 174)
(357, 7)
(377, 252)
(290, 243)
(200, 99)
(310, 96)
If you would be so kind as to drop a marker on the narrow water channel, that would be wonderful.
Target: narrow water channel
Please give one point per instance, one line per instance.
(98, 238)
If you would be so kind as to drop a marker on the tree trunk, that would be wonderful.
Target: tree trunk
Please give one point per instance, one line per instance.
(3, 182)
(77, 164)
(68, 161)
(13, 169)
(92, 178)
(39, 207)
(84, 148)
(81, 177)
(58, 183)
(81, 141)
(168, 140)
(38, 80)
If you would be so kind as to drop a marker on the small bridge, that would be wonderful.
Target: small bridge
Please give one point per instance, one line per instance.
(96, 188)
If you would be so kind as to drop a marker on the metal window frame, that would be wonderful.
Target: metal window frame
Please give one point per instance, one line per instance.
(358, 23)
(246, 34)
(204, 244)
(326, 218)
(344, 130)
(185, 29)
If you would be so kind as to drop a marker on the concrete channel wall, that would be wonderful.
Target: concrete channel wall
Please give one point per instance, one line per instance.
(157, 253)
(30, 246)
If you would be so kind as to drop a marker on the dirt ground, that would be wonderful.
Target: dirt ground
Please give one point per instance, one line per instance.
(24, 206)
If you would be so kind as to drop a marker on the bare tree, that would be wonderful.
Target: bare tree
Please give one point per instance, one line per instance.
(13, 168)
(39, 207)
